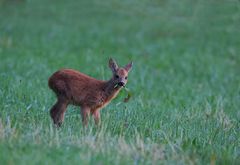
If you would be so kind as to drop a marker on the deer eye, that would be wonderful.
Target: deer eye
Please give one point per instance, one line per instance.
(126, 78)
(116, 76)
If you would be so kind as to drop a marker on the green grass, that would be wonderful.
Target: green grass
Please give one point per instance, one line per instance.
(185, 81)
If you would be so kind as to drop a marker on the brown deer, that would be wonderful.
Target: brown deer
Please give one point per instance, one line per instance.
(76, 88)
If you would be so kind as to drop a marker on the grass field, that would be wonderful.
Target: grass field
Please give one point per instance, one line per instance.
(185, 81)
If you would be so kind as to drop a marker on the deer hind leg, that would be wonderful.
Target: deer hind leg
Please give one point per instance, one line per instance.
(85, 112)
(58, 110)
(96, 116)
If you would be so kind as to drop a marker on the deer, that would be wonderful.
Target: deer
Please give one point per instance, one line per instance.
(90, 94)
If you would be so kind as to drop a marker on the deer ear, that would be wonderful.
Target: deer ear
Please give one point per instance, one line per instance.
(128, 67)
(113, 65)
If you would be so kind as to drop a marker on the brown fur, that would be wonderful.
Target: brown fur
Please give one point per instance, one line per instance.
(73, 87)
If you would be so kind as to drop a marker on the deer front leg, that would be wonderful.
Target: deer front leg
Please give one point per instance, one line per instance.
(96, 116)
(85, 111)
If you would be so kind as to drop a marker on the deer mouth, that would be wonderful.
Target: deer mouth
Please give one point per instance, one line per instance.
(119, 85)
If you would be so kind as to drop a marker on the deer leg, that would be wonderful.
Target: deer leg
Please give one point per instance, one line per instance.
(85, 111)
(58, 110)
(96, 116)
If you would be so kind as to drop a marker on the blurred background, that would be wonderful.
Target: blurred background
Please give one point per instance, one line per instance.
(185, 54)
(174, 44)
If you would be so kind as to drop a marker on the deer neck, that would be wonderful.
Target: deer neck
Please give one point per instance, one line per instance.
(110, 89)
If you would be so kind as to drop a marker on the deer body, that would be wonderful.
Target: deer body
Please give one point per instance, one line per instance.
(76, 88)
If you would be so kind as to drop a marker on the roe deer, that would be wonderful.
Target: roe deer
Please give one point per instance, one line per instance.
(76, 88)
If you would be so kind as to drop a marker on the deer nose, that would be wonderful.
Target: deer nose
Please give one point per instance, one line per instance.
(121, 84)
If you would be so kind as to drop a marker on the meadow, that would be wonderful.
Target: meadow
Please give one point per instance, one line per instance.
(185, 81)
